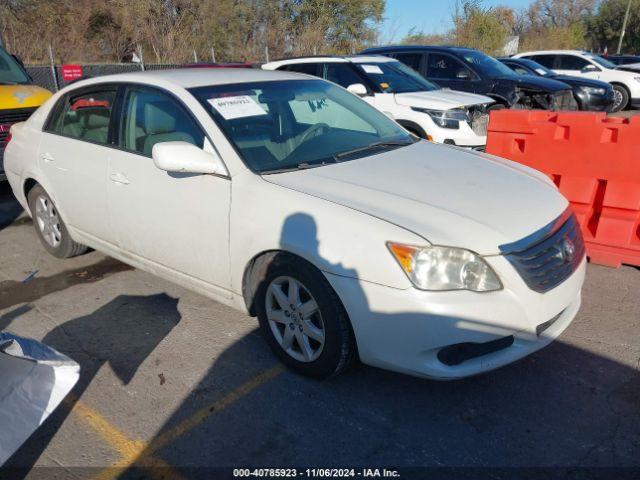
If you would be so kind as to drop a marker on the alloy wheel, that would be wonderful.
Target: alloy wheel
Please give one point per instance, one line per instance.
(294, 319)
(48, 221)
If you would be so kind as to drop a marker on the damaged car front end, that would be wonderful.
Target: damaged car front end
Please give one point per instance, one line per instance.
(34, 379)
(534, 94)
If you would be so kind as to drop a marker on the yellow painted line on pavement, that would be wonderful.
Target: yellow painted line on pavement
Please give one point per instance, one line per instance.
(139, 453)
(130, 450)
(201, 415)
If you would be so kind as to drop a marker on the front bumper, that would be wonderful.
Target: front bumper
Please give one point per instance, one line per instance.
(635, 102)
(404, 330)
(595, 103)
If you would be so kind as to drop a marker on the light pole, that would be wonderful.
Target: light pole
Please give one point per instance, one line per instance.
(624, 27)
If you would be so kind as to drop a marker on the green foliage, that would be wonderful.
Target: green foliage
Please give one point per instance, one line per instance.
(171, 30)
(481, 28)
(604, 27)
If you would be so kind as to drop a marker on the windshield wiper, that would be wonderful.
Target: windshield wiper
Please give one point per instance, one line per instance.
(300, 166)
(372, 146)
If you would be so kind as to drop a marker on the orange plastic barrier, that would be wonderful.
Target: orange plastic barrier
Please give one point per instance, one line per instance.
(595, 162)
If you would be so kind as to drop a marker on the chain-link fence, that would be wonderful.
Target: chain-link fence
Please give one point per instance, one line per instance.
(43, 75)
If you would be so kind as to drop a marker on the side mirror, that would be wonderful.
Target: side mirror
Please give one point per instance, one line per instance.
(184, 157)
(590, 68)
(463, 74)
(358, 89)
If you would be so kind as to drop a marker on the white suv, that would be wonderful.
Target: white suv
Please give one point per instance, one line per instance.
(437, 114)
(626, 85)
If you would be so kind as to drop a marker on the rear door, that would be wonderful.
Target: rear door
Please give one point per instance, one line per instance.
(176, 221)
(74, 157)
(414, 60)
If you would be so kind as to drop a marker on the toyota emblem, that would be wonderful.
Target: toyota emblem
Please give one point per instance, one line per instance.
(567, 250)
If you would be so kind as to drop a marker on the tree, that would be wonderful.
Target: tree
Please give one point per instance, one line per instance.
(481, 28)
(604, 27)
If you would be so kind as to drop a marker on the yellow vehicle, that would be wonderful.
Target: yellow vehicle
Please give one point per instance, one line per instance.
(19, 98)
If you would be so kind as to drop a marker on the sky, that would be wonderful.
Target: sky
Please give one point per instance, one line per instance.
(430, 16)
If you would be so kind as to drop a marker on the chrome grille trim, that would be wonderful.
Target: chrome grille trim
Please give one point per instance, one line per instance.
(541, 258)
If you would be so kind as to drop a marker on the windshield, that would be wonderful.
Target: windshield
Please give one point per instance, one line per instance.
(283, 125)
(486, 64)
(396, 77)
(10, 71)
(601, 61)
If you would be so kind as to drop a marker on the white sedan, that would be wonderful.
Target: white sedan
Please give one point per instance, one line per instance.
(290, 198)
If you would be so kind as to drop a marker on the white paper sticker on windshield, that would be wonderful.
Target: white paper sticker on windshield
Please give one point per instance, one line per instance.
(372, 69)
(236, 107)
(541, 71)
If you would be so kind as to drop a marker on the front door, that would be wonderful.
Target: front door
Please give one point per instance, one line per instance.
(177, 221)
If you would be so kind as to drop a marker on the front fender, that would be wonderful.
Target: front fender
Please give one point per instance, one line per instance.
(334, 238)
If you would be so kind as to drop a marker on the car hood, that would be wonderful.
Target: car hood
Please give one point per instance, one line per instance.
(441, 99)
(22, 96)
(531, 82)
(629, 67)
(581, 82)
(447, 195)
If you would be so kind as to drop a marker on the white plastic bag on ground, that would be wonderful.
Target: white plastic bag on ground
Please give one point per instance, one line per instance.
(34, 379)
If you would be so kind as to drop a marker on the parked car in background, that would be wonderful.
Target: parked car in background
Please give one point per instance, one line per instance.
(626, 85)
(19, 98)
(629, 63)
(219, 65)
(622, 60)
(423, 108)
(472, 71)
(590, 94)
(289, 198)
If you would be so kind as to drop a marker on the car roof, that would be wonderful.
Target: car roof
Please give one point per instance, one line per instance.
(195, 77)
(554, 52)
(387, 48)
(332, 59)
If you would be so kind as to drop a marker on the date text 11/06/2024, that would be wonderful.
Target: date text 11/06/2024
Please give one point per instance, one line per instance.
(316, 472)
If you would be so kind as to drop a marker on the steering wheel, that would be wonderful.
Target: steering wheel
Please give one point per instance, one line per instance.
(309, 131)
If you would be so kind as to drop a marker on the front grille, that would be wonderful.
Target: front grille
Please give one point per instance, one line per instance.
(15, 115)
(564, 100)
(8, 118)
(549, 256)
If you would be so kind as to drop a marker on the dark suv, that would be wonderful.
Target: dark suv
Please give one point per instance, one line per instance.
(472, 71)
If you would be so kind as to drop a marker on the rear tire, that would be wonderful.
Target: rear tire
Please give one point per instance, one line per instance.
(320, 344)
(50, 227)
(621, 98)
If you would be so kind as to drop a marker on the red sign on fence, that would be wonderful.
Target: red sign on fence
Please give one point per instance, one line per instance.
(71, 72)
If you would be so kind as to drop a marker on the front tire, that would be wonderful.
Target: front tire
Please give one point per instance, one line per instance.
(302, 318)
(50, 227)
(621, 98)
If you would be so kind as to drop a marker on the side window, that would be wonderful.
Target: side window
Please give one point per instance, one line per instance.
(341, 73)
(544, 60)
(446, 68)
(519, 70)
(308, 68)
(572, 62)
(150, 117)
(85, 116)
(410, 59)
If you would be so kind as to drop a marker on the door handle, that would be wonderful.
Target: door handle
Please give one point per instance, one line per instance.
(47, 157)
(120, 178)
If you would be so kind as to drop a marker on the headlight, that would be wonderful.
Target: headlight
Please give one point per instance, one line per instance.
(593, 90)
(637, 79)
(445, 268)
(445, 118)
